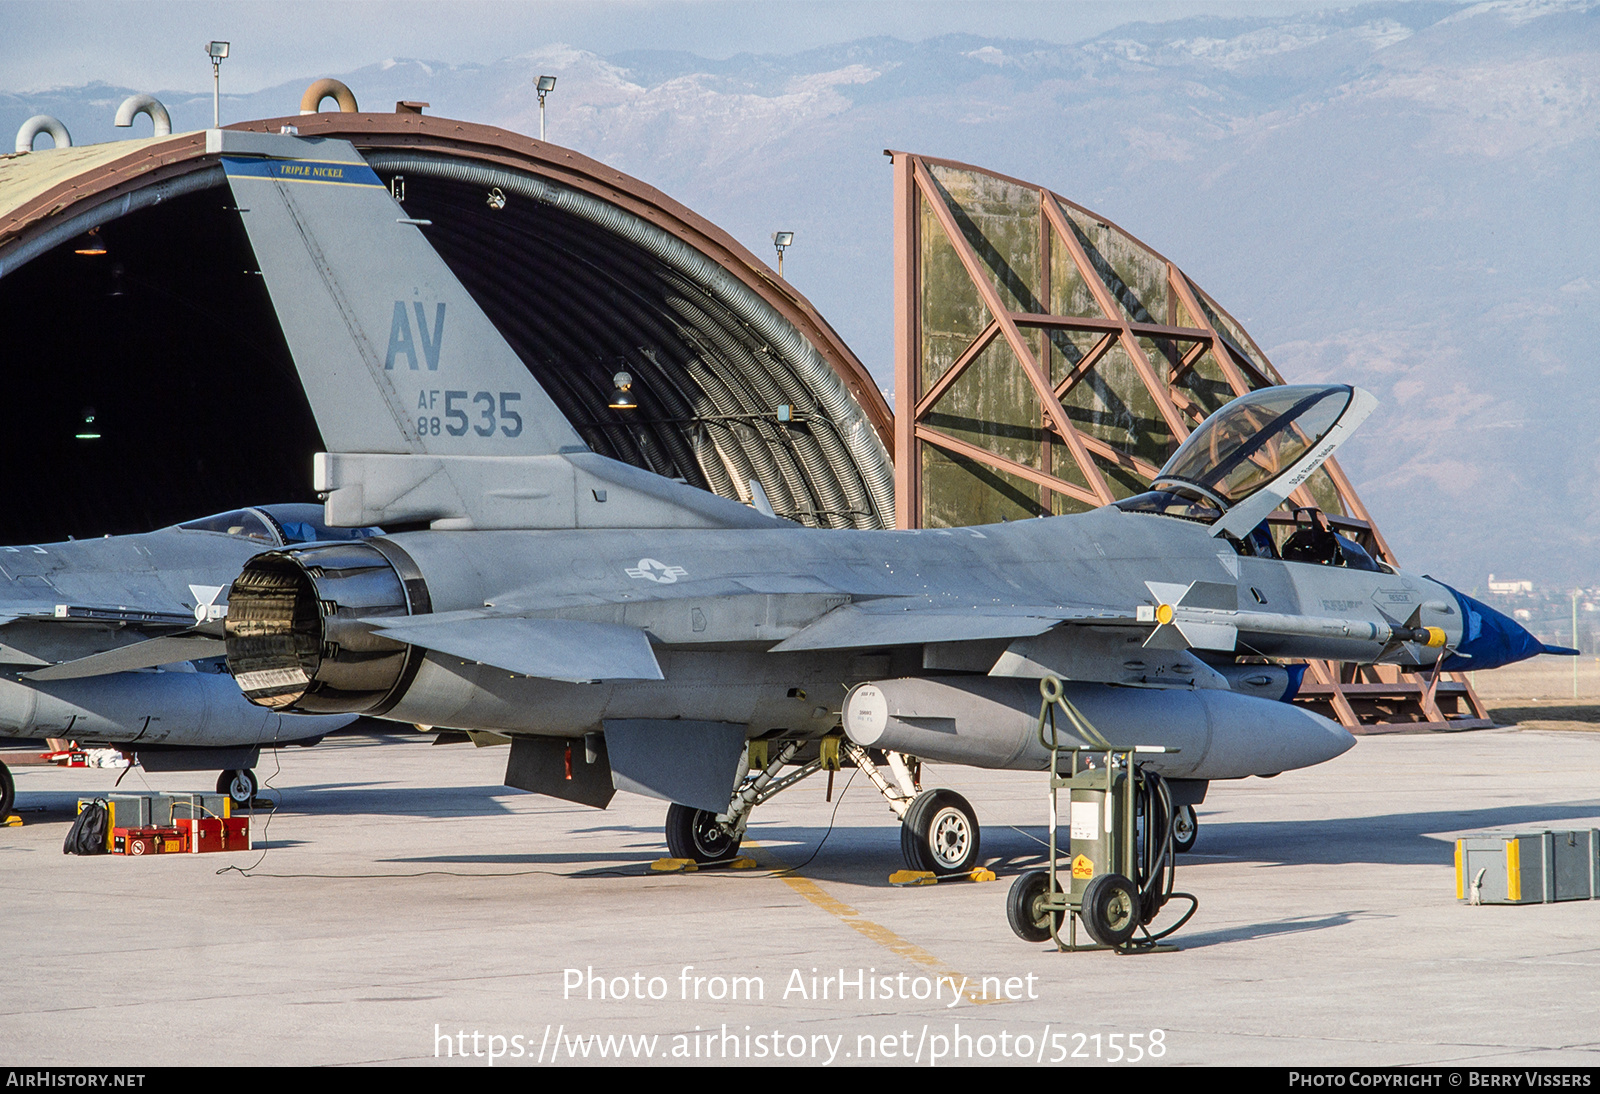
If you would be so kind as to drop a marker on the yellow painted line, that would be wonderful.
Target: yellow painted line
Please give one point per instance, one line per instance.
(880, 934)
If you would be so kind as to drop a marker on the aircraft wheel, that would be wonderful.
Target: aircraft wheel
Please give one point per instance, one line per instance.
(940, 833)
(1110, 910)
(1025, 909)
(695, 834)
(238, 785)
(8, 792)
(1185, 829)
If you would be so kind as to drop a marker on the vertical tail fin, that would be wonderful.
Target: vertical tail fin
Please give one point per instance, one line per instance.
(394, 354)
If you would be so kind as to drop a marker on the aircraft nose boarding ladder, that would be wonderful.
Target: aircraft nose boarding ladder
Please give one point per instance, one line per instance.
(1122, 824)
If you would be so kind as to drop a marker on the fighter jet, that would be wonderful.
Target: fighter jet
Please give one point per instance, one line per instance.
(73, 615)
(630, 632)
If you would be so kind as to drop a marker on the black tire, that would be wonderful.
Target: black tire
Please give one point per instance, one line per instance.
(1028, 919)
(8, 792)
(1110, 911)
(940, 833)
(694, 834)
(239, 785)
(1185, 829)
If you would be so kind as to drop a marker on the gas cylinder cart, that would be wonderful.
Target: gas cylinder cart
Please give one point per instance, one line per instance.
(1122, 867)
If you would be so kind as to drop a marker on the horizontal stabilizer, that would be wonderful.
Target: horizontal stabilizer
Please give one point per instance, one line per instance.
(140, 655)
(554, 649)
(888, 623)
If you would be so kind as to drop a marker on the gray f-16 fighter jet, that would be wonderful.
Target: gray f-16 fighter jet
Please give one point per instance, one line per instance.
(631, 632)
(76, 617)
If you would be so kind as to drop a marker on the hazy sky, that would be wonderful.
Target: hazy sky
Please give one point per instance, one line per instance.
(160, 46)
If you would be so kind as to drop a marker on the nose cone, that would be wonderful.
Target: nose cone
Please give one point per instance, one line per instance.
(1490, 639)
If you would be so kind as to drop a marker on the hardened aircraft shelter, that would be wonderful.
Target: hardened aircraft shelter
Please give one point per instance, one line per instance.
(1046, 361)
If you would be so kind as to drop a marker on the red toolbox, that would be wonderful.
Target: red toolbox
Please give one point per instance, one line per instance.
(215, 833)
(148, 840)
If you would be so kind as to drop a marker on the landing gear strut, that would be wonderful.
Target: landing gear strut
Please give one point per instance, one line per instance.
(240, 786)
(704, 837)
(1185, 829)
(938, 829)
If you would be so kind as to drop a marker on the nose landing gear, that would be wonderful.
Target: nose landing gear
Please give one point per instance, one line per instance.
(240, 786)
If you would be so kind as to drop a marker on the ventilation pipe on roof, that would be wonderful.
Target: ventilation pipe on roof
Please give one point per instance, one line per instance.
(311, 101)
(42, 123)
(150, 107)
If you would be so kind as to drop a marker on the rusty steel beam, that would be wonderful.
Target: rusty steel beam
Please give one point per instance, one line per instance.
(1197, 351)
(1130, 342)
(1121, 458)
(907, 346)
(1090, 324)
(1086, 364)
(1021, 470)
(1046, 447)
(953, 373)
(1013, 336)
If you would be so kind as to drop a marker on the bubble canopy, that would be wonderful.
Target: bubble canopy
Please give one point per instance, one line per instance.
(1254, 440)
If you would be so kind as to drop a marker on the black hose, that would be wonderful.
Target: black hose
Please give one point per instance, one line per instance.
(1156, 864)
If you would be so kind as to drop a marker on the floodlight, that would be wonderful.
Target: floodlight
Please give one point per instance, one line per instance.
(781, 240)
(90, 243)
(216, 51)
(620, 397)
(544, 85)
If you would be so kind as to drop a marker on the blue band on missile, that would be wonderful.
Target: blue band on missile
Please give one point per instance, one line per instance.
(326, 173)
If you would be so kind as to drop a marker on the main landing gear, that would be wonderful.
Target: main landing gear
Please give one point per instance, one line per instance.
(939, 831)
(8, 792)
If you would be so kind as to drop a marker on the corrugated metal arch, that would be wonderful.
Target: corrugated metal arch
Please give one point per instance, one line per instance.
(719, 343)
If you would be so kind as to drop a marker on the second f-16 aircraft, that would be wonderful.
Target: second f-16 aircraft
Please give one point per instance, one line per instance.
(630, 632)
(75, 616)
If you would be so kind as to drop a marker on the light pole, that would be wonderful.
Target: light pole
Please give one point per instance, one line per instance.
(1575, 659)
(216, 51)
(544, 86)
(782, 241)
